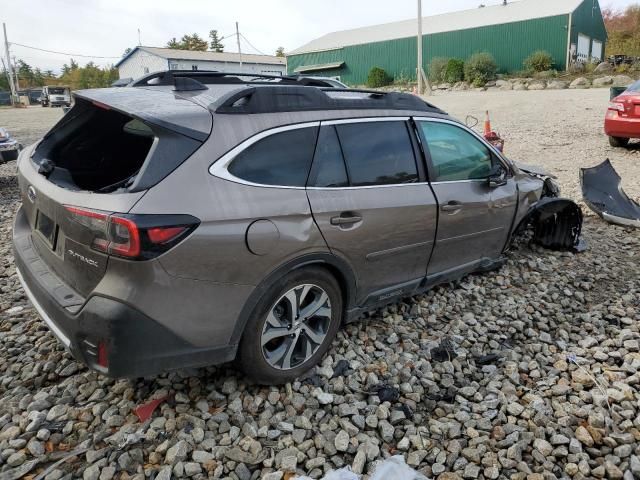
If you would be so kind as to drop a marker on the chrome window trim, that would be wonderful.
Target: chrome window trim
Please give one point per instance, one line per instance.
(362, 187)
(505, 163)
(344, 121)
(219, 168)
(474, 180)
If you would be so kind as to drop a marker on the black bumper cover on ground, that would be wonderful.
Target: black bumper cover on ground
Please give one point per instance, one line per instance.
(603, 194)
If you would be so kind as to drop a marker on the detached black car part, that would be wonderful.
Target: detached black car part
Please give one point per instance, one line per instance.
(603, 194)
(556, 224)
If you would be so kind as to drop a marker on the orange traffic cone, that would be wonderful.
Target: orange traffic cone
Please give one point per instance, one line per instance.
(487, 124)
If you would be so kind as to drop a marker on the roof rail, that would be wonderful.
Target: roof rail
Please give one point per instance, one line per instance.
(281, 98)
(167, 77)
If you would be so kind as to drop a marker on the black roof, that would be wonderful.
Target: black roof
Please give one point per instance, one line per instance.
(272, 93)
(269, 99)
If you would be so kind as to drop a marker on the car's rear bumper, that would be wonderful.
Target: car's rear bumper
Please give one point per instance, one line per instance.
(135, 344)
(624, 127)
(9, 146)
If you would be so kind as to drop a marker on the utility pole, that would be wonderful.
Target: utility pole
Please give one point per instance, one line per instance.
(139, 40)
(9, 68)
(239, 48)
(15, 72)
(419, 69)
(422, 77)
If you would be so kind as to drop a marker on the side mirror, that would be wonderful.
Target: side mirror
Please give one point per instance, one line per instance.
(497, 176)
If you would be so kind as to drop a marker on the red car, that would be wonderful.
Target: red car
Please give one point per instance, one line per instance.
(623, 117)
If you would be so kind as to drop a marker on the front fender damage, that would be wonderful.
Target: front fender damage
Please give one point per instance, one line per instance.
(556, 224)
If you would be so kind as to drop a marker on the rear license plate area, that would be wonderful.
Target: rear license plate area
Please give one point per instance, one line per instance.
(47, 228)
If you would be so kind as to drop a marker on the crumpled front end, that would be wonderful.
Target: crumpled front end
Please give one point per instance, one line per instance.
(556, 222)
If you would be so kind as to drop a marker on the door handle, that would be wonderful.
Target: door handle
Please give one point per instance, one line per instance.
(451, 207)
(346, 220)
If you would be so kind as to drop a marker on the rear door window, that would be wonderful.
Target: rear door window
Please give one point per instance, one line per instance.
(378, 153)
(282, 159)
(456, 155)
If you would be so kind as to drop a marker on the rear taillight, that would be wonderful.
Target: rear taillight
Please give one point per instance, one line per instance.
(136, 237)
(616, 106)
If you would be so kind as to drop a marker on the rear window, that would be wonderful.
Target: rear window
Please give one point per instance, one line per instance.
(635, 88)
(378, 153)
(281, 159)
(104, 151)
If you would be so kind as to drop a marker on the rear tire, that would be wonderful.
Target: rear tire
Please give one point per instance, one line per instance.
(618, 142)
(281, 341)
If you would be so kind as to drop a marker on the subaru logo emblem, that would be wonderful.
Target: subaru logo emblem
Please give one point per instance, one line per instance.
(31, 193)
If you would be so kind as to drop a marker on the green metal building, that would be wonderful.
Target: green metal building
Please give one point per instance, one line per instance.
(570, 30)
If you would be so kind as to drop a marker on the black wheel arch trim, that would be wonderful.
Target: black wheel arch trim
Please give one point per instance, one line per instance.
(346, 280)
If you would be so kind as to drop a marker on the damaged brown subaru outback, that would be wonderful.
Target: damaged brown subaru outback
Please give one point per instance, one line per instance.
(194, 218)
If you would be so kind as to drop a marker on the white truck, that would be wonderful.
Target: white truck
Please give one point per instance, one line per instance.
(55, 96)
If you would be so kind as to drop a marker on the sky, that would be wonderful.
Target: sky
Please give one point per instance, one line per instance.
(105, 28)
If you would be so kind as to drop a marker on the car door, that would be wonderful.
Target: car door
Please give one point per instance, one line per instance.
(371, 201)
(474, 217)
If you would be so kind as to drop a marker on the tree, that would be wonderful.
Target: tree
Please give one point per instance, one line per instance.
(378, 77)
(189, 42)
(280, 52)
(623, 28)
(216, 43)
(25, 73)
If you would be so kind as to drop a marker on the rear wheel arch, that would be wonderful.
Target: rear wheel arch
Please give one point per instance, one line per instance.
(337, 267)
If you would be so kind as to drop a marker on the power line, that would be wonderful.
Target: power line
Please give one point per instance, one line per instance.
(251, 45)
(60, 53)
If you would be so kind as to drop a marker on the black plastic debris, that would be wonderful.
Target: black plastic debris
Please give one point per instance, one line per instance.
(406, 409)
(487, 359)
(444, 352)
(386, 393)
(603, 194)
(313, 380)
(557, 224)
(54, 427)
(341, 368)
(448, 396)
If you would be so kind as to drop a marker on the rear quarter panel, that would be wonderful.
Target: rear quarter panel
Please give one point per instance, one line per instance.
(217, 251)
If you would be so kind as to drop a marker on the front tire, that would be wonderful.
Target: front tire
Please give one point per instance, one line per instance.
(618, 142)
(9, 155)
(292, 327)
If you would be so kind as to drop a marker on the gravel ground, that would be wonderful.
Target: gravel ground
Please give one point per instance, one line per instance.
(529, 372)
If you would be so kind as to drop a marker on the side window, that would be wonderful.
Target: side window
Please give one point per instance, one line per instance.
(279, 159)
(378, 153)
(328, 168)
(455, 153)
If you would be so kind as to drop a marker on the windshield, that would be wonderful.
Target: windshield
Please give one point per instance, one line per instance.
(57, 91)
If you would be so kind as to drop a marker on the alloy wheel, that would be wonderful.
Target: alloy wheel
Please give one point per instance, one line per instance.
(296, 326)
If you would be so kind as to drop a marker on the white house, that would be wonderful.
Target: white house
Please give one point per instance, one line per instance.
(143, 60)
